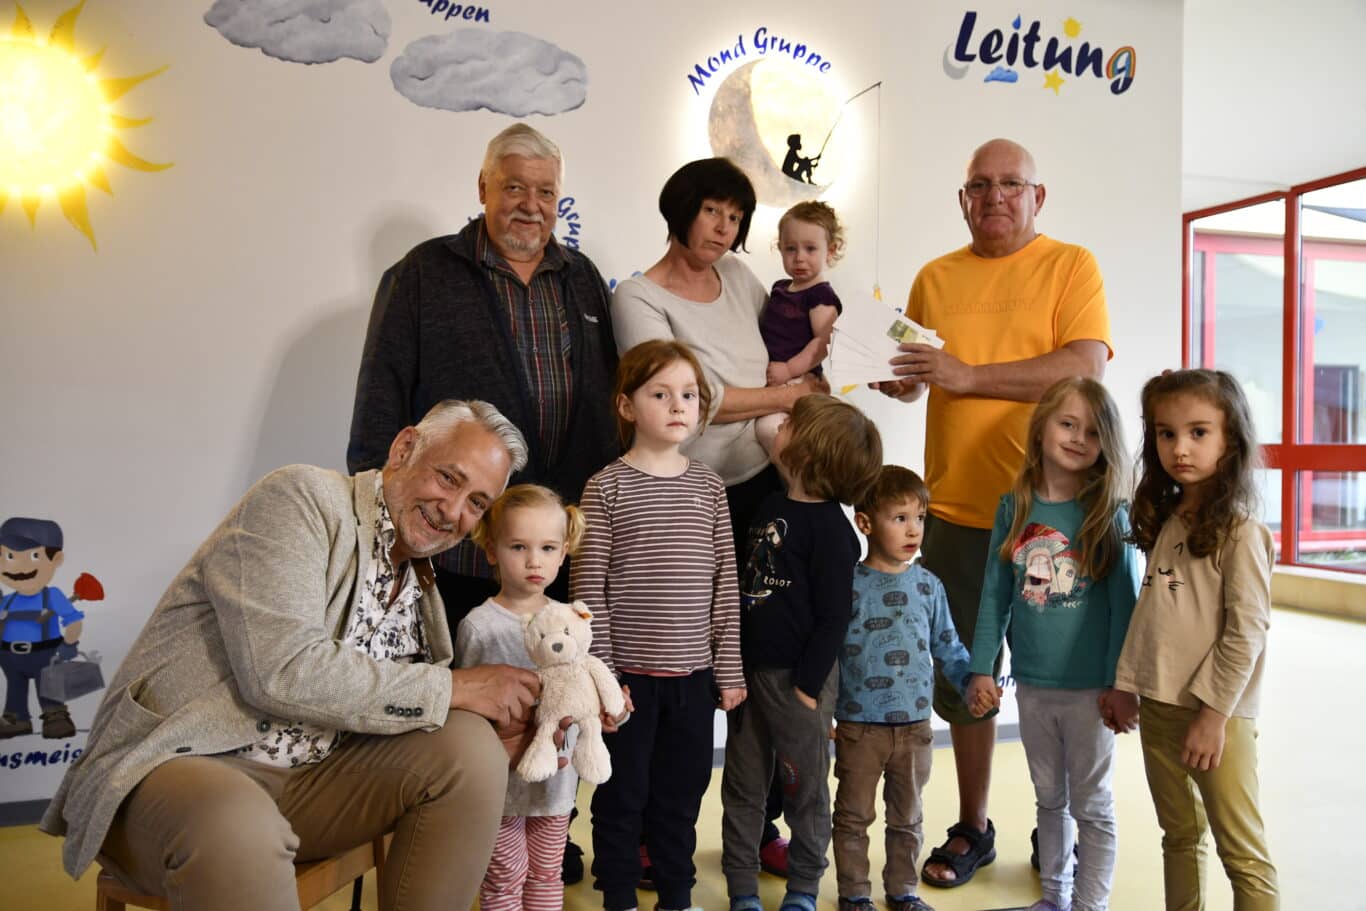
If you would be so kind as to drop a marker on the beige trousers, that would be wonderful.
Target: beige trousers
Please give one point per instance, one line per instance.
(1226, 804)
(220, 832)
(900, 756)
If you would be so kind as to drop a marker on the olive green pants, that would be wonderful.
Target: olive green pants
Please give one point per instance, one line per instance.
(1226, 804)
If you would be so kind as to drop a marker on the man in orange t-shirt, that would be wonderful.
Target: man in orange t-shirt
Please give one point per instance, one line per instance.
(1018, 311)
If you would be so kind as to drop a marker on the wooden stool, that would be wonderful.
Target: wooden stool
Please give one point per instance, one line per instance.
(316, 880)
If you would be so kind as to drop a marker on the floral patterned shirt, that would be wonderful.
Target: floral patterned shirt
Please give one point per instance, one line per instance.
(383, 630)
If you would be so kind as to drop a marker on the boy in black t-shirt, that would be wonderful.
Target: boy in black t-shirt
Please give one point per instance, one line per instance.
(795, 598)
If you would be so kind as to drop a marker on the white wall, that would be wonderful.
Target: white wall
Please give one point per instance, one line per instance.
(1273, 96)
(1088, 144)
(215, 334)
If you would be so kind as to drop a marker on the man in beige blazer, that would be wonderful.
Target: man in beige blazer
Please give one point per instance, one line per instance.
(290, 696)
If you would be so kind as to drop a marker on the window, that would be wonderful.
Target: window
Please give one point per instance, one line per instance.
(1276, 295)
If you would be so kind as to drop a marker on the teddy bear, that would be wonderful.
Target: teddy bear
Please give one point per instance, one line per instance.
(574, 684)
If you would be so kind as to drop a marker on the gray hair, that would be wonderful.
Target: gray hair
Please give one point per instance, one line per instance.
(520, 139)
(445, 416)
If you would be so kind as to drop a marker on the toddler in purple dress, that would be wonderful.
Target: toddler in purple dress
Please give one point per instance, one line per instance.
(797, 320)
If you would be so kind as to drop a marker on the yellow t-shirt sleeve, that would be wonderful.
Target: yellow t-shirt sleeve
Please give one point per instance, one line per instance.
(1082, 314)
(915, 303)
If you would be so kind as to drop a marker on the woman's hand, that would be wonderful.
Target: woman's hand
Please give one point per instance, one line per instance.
(777, 373)
(804, 699)
(811, 384)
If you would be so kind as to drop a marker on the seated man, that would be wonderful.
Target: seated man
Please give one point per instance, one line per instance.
(289, 697)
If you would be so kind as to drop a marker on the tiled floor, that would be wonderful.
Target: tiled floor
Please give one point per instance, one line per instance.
(1313, 745)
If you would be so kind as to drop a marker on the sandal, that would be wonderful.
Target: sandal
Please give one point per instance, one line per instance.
(1034, 853)
(981, 851)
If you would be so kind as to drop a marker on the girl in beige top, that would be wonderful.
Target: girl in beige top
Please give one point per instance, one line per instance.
(1197, 640)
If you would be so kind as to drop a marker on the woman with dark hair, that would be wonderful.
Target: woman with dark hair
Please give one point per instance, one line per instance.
(702, 294)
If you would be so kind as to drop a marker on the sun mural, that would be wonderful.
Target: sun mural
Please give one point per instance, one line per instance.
(57, 121)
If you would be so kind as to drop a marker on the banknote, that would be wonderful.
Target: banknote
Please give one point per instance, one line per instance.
(865, 340)
(905, 331)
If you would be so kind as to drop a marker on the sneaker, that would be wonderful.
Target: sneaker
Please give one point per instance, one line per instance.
(57, 724)
(798, 901)
(647, 871)
(571, 868)
(907, 903)
(1045, 905)
(746, 903)
(773, 857)
(12, 726)
(857, 903)
(1034, 853)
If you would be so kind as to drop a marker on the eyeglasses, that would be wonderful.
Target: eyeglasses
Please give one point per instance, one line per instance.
(1010, 188)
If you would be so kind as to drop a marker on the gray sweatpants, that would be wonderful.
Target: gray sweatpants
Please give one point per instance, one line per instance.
(771, 723)
(1071, 757)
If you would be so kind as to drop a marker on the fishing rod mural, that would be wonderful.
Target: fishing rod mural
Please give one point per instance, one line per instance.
(777, 114)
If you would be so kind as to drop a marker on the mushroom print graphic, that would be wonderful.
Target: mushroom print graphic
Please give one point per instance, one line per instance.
(1046, 570)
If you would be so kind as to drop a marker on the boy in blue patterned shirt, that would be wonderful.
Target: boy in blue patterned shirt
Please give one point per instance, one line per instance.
(900, 623)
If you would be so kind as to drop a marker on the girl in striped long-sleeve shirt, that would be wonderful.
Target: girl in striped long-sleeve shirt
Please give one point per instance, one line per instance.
(657, 569)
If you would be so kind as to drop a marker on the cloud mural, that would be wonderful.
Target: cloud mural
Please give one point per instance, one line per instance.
(505, 72)
(305, 31)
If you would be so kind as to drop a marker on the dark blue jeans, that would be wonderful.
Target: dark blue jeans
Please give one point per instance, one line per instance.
(661, 766)
(19, 671)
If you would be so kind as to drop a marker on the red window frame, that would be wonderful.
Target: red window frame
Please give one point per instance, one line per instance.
(1297, 460)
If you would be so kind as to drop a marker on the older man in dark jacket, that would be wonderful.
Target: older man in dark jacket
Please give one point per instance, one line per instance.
(503, 313)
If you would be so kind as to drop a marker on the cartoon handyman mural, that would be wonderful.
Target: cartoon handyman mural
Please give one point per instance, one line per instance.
(39, 625)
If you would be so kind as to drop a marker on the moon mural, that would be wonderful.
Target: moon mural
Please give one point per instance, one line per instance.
(759, 115)
(953, 72)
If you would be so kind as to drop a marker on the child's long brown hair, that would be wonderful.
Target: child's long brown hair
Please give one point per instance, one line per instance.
(1230, 494)
(1102, 492)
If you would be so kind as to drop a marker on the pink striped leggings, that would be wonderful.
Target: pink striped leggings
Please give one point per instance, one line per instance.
(524, 871)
